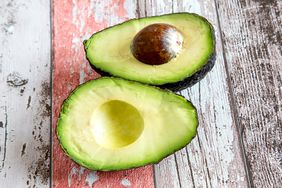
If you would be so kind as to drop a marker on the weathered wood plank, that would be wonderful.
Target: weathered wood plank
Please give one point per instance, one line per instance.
(73, 22)
(251, 32)
(214, 158)
(25, 93)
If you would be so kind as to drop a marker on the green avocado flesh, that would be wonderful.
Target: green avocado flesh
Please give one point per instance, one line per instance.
(112, 124)
(109, 50)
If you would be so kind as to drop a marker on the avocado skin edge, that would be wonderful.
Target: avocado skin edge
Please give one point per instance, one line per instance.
(176, 86)
(81, 163)
(180, 85)
(192, 80)
(197, 76)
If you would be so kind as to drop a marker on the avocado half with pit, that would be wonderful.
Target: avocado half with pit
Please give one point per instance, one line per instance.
(170, 50)
(112, 124)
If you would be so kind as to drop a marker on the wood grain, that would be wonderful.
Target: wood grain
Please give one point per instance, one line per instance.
(251, 32)
(25, 93)
(214, 157)
(239, 102)
(73, 22)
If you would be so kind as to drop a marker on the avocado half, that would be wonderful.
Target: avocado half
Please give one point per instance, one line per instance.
(109, 51)
(112, 124)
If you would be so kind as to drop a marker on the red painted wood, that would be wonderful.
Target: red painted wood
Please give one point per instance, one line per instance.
(74, 21)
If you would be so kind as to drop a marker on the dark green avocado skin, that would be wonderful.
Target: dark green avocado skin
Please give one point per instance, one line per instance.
(188, 81)
(178, 86)
(195, 78)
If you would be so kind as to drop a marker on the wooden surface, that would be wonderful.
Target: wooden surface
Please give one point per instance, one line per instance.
(239, 101)
(213, 159)
(251, 33)
(25, 93)
(70, 68)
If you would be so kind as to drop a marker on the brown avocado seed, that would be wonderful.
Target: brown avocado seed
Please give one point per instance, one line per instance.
(157, 44)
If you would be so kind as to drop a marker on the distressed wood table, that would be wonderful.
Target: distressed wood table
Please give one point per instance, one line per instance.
(239, 102)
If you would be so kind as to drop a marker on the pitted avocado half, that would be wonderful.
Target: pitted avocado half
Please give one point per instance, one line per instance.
(171, 51)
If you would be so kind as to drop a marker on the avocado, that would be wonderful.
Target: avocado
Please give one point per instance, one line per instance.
(187, 82)
(112, 124)
(195, 78)
(166, 50)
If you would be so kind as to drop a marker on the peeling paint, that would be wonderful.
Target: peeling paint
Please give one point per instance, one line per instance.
(118, 8)
(23, 163)
(40, 169)
(81, 171)
(15, 80)
(23, 149)
(22, 91)
(9, 29)
(5, 138)
(76, 43)
(91, 178)
(98, 8)
(28, 102)
(125, 182)
(9, 26)
(72, 172)
(128, 3)
(45, 100)
(81, 76)
(75, 171)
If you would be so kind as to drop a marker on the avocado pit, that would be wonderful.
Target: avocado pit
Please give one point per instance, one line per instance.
(157, 44)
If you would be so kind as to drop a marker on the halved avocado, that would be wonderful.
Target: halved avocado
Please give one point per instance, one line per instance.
(110, 50)
(112, 124)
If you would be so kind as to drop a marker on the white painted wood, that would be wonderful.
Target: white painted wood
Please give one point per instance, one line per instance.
(25, 93)
(252, 33)
(214, 157)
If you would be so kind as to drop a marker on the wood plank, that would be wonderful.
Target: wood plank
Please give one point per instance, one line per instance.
(251, 32)
(73, 22)
(25, 93)
(214, 157)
